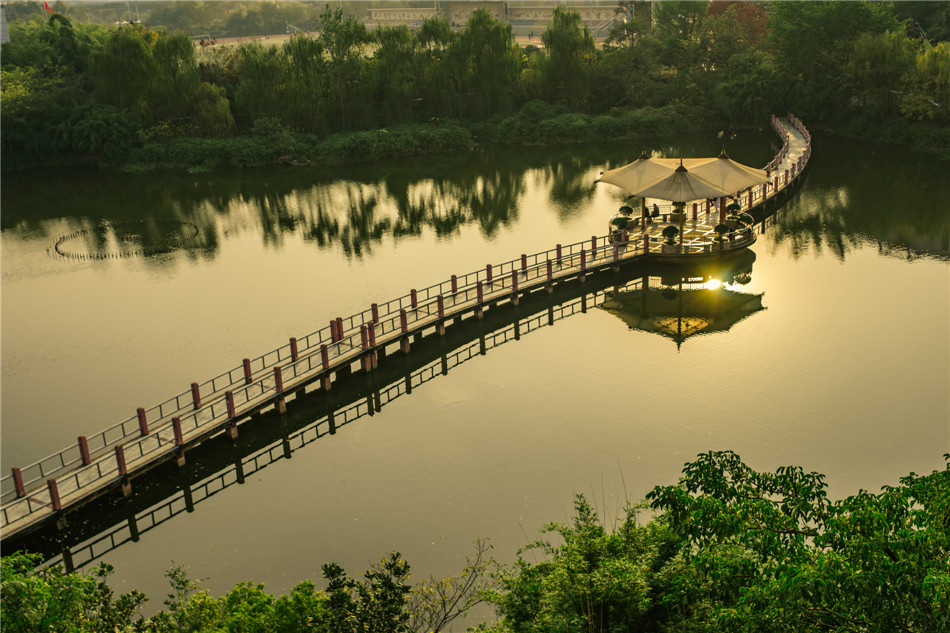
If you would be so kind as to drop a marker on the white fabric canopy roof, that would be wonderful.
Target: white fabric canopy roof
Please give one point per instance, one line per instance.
(684, 179)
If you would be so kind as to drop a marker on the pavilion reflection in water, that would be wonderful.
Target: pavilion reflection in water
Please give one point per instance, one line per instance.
(688, 303)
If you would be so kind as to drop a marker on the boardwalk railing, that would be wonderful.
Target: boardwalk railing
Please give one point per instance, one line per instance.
(159, 430)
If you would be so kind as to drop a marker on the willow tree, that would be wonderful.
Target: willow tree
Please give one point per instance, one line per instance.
(569, 54)
(343, 39)
(435, 38)
(260, 92)
(306, 85)
(484, 64)
(396, 74)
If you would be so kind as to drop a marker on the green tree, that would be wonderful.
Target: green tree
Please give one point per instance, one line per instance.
(436, 38)
(484, 64)
(306, 85)
(799, 562)
(396, 73)
(569, 54)
(49, 599)
(878, 65)
(373, 605)
(747, 89)
(343, 38)
(927, 85)
(814, 42)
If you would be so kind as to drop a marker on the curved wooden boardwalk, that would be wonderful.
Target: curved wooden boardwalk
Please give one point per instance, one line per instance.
(94, 465)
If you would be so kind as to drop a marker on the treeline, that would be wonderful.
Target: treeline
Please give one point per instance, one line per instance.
(137, 94)
(728, 549)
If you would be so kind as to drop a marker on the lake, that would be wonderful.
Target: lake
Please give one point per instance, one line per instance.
(844, 370)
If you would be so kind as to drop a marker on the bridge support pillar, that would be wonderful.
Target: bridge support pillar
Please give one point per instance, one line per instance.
(405, 345)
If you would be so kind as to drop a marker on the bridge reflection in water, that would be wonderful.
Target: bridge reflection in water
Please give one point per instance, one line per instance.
(84, 535)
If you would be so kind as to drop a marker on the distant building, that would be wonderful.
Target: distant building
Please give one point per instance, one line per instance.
(525, 18)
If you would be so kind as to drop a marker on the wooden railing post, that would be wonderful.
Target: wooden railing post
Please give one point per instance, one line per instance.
(558, 257)
(176, 429)
(54, 494)
(455, 284)
(646, 244)
(84, 450)
(278, 380)
(229, 400)
(514, 281)
(414, 299)
(524, 263)
(403, 322)
(120, 460)
(195, 395)
(374, 309)
(293, 349)
(550, 271)
(488, 273)
(247, 371)
(143, 424)
(18, 482)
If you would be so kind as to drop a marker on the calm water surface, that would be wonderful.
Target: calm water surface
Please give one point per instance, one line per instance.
(845, 371)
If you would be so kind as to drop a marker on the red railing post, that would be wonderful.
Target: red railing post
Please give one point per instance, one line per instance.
(84, 450)
(455, 284)
(488, 272)
(18, 482)
(616, 253)
(375, 311)
(646, 244)
(195, 395)
(247, 371)
(120, 460)
(176, 429)
(371, 332)
(278, 380)
(54, 494)
(339, 328)
(325, 356)
(293, 349)
(750, 197)
(524, 263)
(334, 337)
(229, 400)
(364, 337)
(514, 281)
(583, 260)
(593, 243)
(478, 293)
(695, 209)
(414, 298)
(558, 247)
(550, 270)
(441, 306)
(403, 322)
(143, 425)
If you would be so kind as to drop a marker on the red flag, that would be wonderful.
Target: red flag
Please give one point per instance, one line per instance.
(47, 8)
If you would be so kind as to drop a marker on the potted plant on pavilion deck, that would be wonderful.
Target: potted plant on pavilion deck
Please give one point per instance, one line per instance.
(669, 245)
(721, 229)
